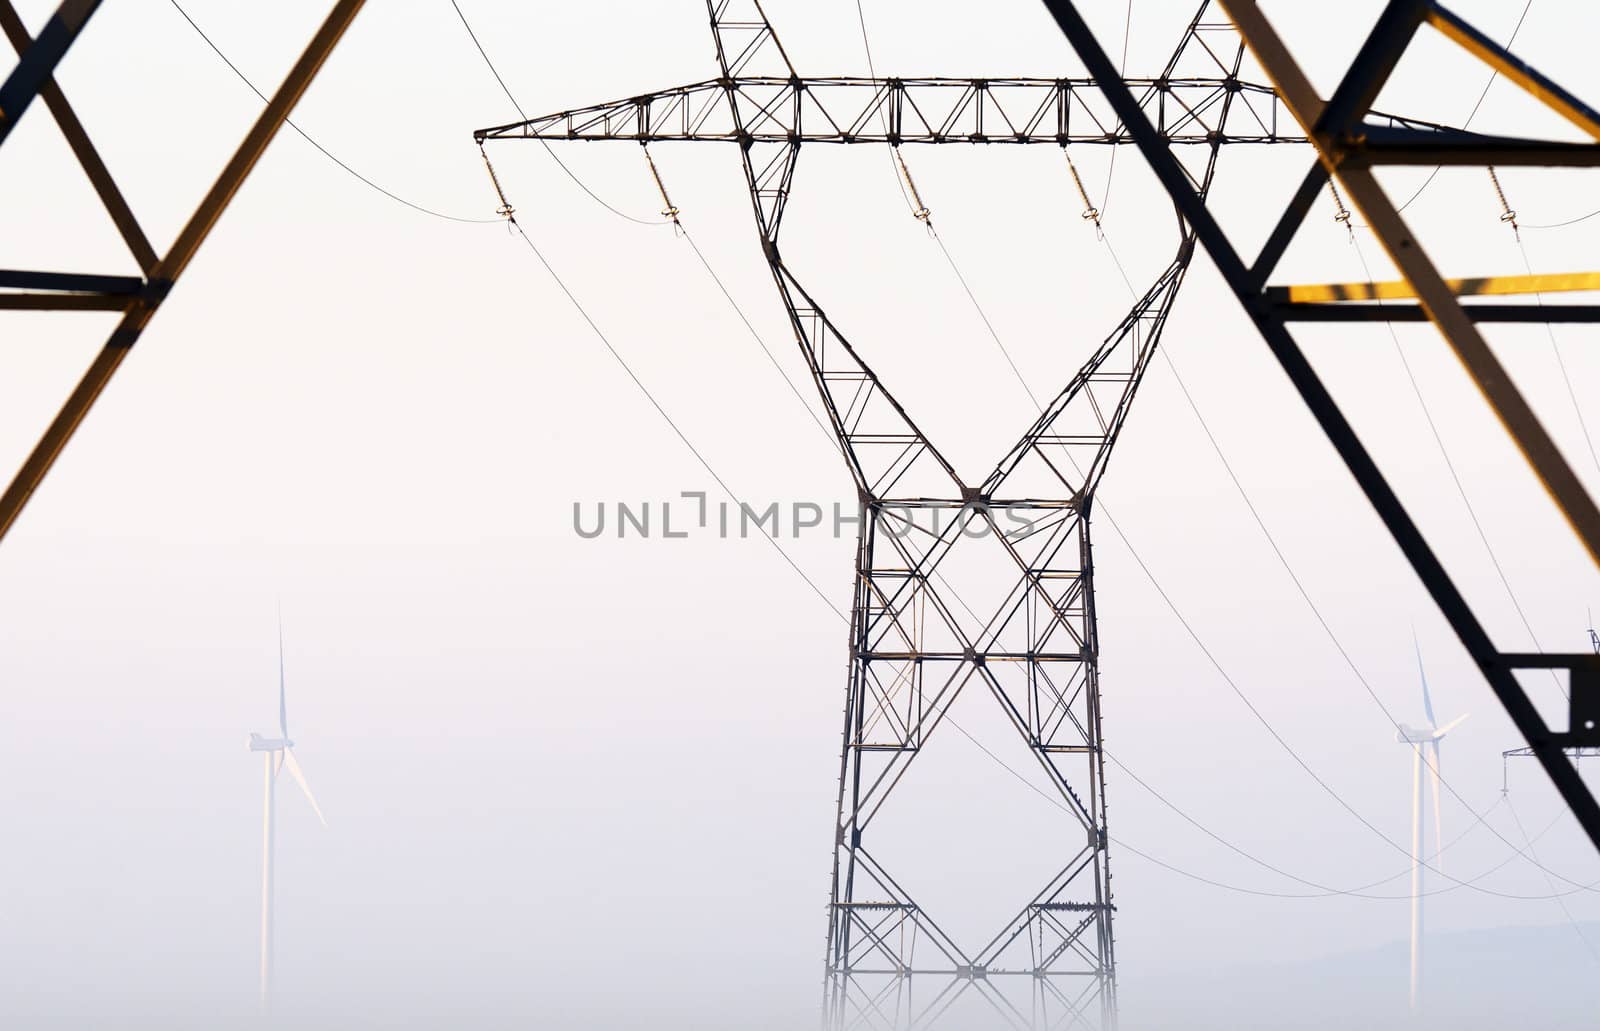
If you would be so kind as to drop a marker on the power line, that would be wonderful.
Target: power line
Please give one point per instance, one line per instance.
(883, 119)
(1324, 892)
(320, 148)
(1563, 225)
(547, 148)
(1122, 69)
(1455, 476)
(598, 332)
(1493, 75)
(723, 287)
(485, 55)
(1577, 927)
(1561, 363)
(993, 334)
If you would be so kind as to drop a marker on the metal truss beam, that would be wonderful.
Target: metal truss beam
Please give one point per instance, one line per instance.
(82, 148)
(38, 63)
(846, 110)
(136, 297)
(1531, 313)
(1331, 126)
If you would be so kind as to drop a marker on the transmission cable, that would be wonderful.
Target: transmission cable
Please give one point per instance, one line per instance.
(320, 148)
(598, 332)
(1577, 927)
(1359, 892)
(546, 143)
(1122, 70)
(1563, 225)
(1493, 75)
(1561, 363)
(1455, 476)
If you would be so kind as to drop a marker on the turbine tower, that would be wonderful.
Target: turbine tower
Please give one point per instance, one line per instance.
(277, 754)
(1424, 744)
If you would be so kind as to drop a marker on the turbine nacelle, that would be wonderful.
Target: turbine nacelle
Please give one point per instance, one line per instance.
(1427, 735)
(269, 744)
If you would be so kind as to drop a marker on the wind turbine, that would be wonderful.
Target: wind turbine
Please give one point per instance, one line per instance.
(1424, 744)
(277, 753)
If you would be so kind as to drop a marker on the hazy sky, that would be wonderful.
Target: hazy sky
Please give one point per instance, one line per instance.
(589, 783)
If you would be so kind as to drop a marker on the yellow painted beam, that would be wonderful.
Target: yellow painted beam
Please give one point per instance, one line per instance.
(1477, 286)
(1531, 81)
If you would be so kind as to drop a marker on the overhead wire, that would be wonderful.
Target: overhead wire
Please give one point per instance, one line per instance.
(324, 151)
(1122, 70)
(546, 143)
(649, 396)
(1493, 75)
(1563, 225)
(1559, 900)
(1561, 364)
(1455, 475)
(1359, 892)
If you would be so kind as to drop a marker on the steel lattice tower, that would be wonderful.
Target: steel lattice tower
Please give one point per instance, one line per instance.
(918, 639)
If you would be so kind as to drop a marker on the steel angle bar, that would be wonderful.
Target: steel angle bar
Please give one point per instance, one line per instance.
(139, 309)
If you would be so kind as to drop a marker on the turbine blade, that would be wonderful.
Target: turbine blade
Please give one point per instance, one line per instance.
(1448, 727)
(283, 705)
(300, 778)
(1427, 701)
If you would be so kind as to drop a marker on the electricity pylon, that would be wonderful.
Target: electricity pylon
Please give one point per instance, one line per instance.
(136, 296)
(1013, 614)
(1351, 145)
